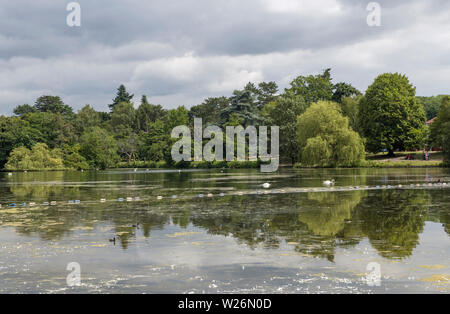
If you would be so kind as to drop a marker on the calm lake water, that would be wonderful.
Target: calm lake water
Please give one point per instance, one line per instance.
(296, 237)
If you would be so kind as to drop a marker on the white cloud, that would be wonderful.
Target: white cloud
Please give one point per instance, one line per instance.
(304, 7)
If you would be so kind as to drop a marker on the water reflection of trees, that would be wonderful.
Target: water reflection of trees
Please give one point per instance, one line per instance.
(393, 220)
(315, 224)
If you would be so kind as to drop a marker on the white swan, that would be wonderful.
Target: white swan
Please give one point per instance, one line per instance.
(266, 185)
(328, 182)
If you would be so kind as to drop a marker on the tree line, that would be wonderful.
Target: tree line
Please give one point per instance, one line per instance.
(321, 124)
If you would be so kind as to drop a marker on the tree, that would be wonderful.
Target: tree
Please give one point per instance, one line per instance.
(390, 115)
(155, 143)
(121, 96)
(128, 146)
(283, 113)
(123, 119)
(350, 109)
(73, 159)
(19, 159)
(40, 157)
(209, 110)
(326, 139)
(176, 117)
(431, 105)
(262, 94)
(147, 113)
(440, 129)
(53, 104)
(344, 90)
(16, 132)
(313, 88)
(23, 110)
(86, 118)
(54, 128)
(243, 106)
(99, 148)
(266, 93)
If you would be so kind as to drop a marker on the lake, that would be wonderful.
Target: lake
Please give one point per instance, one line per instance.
(213, 231)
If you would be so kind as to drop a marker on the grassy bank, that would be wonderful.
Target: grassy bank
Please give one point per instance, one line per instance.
(381, 160)
(402, 164)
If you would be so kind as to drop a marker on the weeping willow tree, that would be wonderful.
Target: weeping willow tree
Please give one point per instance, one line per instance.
(326, 139)
(40, 157)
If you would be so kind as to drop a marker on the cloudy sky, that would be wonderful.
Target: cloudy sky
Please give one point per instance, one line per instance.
(179, 52)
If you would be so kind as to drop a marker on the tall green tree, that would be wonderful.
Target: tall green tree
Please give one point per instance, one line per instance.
(350, 109)
(99, 148)
(431, 104)
(123, 120)
(155, 143)
(23, 110)
(176, 117)
(209, 110)
(148, 113)
(344, 90)
(283, 113)
(263, 93)
(53, 104)
(243, 106)
(54, 128)
(390, 115)
(440, 129)
(73, 158)
(313, 88)
(86, 118)
(121, 96)
(326, 139)
(16, 132)
(266, 93)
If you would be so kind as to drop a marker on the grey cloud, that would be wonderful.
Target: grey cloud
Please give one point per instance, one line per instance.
(179, 52)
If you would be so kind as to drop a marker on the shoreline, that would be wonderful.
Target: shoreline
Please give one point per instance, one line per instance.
(376, 165)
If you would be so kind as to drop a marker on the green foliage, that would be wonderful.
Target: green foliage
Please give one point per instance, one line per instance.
(155, 143)
(313, 88)
(99, 148)
(73, 158)
(40, 157)
(387, 115)
(209, 110)
(326, 139)
(148, 113)
(350, 109)
(176, 117)
(86, 118)
(390, 116)
(54, 129)
(123, 119)
(397, 234)
(121, 96)
(283, 112)
(242, 107)
(15, 132)
(431, 105)
(440, 129)
(23, 110)
(344, 90)
(53, 104)
(262, 94)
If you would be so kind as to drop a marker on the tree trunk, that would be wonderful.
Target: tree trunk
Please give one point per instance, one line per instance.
(391, 153)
